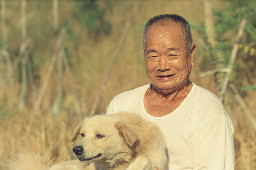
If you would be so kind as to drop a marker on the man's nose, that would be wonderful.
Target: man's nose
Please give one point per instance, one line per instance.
(163, 63)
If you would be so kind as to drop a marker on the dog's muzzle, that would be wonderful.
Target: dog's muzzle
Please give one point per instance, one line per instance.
(78, 150)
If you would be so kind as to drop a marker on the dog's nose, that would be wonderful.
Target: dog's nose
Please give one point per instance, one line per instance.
(78, 150)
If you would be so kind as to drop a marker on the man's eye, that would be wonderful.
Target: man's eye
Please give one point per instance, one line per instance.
(82, 135)
(172, 55)
(152, 57)
(99, 136)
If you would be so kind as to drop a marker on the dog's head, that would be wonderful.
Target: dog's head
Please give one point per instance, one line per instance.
(104, 138)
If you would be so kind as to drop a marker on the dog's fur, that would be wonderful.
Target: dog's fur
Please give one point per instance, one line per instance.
(121, 141)
(113, 142)
(36, 161)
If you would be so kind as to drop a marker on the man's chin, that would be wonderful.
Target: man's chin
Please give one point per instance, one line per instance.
(164, 88)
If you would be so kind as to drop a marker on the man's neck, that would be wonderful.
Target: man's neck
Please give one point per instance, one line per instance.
(159, 104)
(171, 94)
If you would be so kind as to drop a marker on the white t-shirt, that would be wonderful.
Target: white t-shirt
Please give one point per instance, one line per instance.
(198, 134)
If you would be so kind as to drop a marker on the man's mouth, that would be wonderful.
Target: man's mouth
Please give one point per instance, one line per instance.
(164, 76)
(88, 159)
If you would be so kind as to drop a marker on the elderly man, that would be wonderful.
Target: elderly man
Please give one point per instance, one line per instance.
(197, 129)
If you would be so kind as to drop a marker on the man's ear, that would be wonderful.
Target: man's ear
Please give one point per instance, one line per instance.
(76, 131)
(129, 135)
(192, 53)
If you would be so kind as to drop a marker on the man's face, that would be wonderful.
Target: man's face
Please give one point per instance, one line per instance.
(168, 63)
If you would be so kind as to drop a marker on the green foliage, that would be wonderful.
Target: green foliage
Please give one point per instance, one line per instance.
(251, 31)
(69, 31)
(93, 17)
(231, 17)
(200, 28)
(250, 87)
(227, 22)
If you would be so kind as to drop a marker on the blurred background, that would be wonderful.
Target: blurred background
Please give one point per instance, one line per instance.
(63, 60)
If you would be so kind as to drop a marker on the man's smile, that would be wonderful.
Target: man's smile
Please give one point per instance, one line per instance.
(165, 76)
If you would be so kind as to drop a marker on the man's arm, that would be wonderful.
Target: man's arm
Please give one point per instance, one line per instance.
(111, 108)
(213, 147)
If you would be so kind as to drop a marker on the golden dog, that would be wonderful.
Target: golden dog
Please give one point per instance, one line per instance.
(121, 141)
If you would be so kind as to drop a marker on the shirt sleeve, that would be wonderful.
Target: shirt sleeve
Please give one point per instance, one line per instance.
(212, 144)
(111, 109)
(113, 105)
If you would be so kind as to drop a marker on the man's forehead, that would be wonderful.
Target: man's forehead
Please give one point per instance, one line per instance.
(171, 29)
(164, 24)
(168, 49)
(163, 33)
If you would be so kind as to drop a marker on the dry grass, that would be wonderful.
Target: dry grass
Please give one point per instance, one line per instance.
(245, 137)
(43, 131)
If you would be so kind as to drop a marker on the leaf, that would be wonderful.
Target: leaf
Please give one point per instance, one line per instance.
(252, 51)
(251, 30)
(246, 49)
(250, 87)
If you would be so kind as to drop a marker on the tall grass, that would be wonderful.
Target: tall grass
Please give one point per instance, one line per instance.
(46, 133)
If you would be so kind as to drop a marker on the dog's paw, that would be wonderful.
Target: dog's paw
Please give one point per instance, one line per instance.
(140, 163)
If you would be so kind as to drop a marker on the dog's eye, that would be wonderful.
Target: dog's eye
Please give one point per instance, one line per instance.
(99, 136)
(82, 135)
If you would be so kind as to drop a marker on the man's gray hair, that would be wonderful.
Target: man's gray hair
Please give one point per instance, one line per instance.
(173, 17)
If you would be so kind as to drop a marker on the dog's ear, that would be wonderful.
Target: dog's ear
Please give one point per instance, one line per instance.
(76, 131)
(128, 134)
